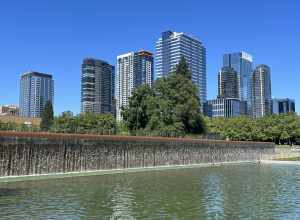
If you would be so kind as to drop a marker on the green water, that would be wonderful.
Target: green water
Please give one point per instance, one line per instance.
(227, 192)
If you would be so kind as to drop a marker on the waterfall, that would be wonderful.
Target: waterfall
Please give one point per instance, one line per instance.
(44, 155)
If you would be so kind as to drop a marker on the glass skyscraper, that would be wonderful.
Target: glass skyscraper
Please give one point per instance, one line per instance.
(261, 100)
(36, 89)
(227, 104)
(241, 62)
(97, 86)
(228, 83)
(171, 46)
(133, 70)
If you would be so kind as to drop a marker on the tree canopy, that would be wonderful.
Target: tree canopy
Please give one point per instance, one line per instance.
(85, 123)
(47, 117)
(170, 108)
(281, 129)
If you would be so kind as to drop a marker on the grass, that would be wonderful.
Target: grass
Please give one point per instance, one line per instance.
(288, 159)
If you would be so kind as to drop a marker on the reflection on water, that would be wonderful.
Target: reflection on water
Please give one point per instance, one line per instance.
(122, 201)
(228, 192)
(213, 196)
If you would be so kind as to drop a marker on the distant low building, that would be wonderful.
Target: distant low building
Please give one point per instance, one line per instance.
(9, 110)
(283, 106)
(223, 107)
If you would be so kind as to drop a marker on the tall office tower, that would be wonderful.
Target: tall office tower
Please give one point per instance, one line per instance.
(97, 86)
(241, 62)
(228, 83)
(171, 46)
(260, 82)
(283, 106)
(36, 89)
(133, 70)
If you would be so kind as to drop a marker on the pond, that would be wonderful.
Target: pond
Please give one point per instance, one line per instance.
(249, 191)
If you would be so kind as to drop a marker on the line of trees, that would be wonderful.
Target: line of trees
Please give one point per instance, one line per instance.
(68, 123)
(91, 123)
(12, 126)
(280, 129)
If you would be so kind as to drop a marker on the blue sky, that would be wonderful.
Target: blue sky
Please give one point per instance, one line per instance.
(54, 36)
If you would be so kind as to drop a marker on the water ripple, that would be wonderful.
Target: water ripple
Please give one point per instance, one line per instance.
(228, 192)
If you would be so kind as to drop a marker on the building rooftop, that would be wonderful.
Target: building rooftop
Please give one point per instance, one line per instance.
(34, 73)
(169, 33)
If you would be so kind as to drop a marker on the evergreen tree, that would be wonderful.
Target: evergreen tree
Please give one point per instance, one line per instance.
(170, 108)
(47, 117)
(182, 68)
(135, 114)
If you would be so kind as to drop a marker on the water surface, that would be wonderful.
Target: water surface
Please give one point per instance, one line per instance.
(226, 192)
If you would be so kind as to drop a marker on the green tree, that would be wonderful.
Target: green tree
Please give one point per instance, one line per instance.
(182, 68)
(47, 117)
(65, 123)
(170, 108)
(280, 129)
(85, 123)
(135, 115)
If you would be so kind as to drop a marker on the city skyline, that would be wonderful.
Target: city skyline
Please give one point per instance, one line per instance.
(42, 53)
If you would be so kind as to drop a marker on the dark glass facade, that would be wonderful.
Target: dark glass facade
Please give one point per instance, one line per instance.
(283, 106)
(228, 83)
(241, 62)
(143, 65)
(97, 86)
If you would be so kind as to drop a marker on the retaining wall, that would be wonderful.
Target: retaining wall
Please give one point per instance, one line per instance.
(38, 153)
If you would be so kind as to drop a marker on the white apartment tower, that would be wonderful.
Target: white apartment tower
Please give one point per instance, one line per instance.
(133, 70)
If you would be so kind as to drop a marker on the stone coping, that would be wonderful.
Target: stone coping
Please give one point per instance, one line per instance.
(281, 162)
(64, 136)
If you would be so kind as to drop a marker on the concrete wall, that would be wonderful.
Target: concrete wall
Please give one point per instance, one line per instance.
(43, 154)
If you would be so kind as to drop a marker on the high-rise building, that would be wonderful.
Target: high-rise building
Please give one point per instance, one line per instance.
(241, 62)
(228, 83)
(223, 107)
(171, 46)
(143, 67)
(133, 70)
(36, 89)
(260, 82)
(97, 86)
(283, 106)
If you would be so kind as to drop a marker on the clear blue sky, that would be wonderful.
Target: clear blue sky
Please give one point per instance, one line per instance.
(54, 36)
